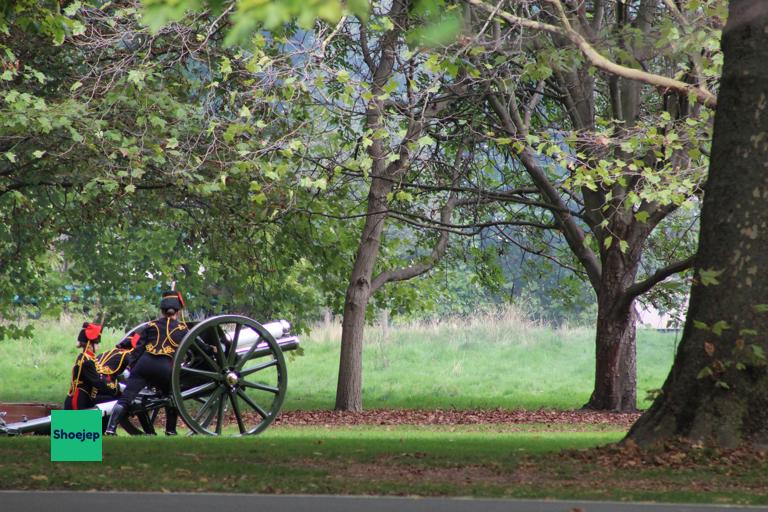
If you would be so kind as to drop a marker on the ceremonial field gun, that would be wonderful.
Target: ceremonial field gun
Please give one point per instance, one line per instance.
(229, 373)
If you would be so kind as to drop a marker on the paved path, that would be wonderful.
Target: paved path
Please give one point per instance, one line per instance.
(64, 501)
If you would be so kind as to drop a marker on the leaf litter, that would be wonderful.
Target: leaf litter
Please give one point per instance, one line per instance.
(453, 417)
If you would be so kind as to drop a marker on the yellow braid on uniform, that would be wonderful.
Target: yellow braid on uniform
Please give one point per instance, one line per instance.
(76, 380)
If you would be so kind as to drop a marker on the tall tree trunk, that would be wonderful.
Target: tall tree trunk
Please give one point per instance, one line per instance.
(349, 387)
(717, 390)
(615, 359)
(615, 348)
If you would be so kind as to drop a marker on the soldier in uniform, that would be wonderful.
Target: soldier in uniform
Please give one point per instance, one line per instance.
(87, 387)
(152, 360)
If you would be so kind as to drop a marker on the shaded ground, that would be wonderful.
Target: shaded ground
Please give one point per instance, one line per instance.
(681, 468)
(682, 472)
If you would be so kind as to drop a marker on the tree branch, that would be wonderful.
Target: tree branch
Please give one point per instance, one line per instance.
(476, 227)
(574, 235)
(641, 287)
(541, 253)
(701, 94)
(438, 251)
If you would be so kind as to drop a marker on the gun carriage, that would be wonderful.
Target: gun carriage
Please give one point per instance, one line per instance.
(229, 372)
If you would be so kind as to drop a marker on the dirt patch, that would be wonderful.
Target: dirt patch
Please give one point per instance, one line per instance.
(452, 417)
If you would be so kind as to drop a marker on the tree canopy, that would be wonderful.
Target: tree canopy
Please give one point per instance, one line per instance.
(281, 158)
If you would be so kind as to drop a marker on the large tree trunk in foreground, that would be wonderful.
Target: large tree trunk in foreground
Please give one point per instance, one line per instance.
(717, 391)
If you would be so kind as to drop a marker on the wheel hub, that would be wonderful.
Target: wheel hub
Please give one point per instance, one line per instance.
(232, 378)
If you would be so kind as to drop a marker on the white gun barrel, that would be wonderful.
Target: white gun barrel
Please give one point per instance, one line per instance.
(248, 336)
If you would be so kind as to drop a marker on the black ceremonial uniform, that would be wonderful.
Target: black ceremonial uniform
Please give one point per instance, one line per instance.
(151, 361)
(87, 388)
(153, 357)
(112, 363)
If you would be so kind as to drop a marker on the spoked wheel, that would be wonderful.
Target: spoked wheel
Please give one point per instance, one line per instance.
(229, 368)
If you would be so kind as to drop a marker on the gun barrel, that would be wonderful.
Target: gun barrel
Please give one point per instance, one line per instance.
(262, 349)
(278, 329)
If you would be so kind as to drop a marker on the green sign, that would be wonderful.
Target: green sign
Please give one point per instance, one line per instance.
(76, 435)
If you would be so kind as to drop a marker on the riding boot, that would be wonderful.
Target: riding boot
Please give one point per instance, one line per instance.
(171, 417)
(118, 411)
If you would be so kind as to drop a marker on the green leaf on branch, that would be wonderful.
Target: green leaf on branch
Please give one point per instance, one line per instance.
(436, 33)
(137, 77)
(642, 216)
(225, 67)
(342, 76)
(719, 327)
(426, 140)
(403, 196)
(72, 8)
(359, 8)
(700, 325)
(709, 277)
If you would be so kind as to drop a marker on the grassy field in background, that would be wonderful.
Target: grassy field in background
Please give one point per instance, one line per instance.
(484, 362)
(458, 461)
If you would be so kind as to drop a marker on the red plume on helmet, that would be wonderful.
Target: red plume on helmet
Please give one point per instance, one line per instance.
(90, 332)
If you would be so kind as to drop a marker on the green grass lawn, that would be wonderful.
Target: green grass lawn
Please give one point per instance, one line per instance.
(485, 362)
(491, 461)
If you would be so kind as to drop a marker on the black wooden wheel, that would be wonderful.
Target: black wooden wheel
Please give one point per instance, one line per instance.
(220, 375)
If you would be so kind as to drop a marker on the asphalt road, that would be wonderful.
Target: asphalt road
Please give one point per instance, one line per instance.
(55, 501)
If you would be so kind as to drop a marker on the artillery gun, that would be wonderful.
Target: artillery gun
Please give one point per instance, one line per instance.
(228, 369)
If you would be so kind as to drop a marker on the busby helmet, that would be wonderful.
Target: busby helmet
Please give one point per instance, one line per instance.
(90, 333)
(171, 300)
